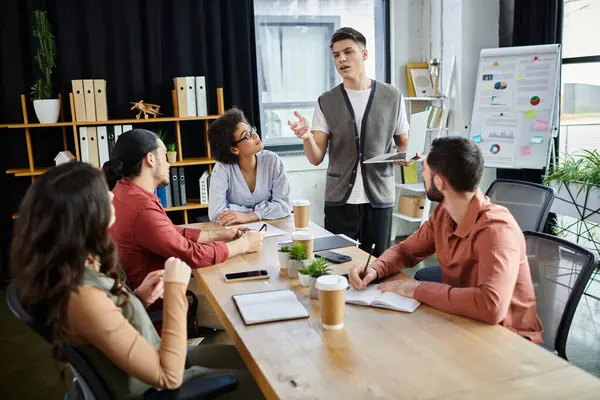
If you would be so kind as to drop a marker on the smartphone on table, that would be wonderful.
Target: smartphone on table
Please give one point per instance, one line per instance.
(334, 257)
(247, 276)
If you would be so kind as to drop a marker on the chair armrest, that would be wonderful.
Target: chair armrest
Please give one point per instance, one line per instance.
(202, 387)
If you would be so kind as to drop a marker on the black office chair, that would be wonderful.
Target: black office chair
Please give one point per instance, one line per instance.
(560, 270)
(528, 202)
(87, 384)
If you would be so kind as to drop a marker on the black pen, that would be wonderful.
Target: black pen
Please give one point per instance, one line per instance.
(264, 226)
(368, 259)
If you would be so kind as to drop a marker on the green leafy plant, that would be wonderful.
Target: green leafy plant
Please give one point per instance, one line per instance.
(285, 249)
(162, 135)
(583, 169)
(45, 55)
(317, 268)
(171, 147)
(298, 252)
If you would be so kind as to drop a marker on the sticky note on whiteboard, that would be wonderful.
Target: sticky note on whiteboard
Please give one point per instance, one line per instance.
(477, 139)
(540, 125)
(530, 114)
(537, 139)
(525, 150)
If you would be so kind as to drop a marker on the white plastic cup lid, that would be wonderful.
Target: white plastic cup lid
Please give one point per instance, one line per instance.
(302, 235)
(331, 283)
(301, 203)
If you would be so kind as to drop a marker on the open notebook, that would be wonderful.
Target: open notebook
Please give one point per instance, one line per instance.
(276, 305)
(376, 298)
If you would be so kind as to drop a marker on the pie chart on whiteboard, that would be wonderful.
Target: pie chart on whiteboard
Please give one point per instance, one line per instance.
(535, 100)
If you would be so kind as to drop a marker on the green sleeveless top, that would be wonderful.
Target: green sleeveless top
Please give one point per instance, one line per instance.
(120, 384)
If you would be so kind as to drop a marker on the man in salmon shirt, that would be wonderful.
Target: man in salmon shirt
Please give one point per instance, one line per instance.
(480, 247)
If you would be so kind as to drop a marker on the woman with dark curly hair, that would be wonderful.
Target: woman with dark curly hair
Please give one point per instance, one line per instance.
(248, 183)
(67, 276)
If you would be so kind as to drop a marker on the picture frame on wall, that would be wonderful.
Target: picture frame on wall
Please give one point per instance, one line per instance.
(418, 80)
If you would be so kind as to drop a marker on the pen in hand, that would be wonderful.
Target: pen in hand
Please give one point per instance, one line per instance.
(364, 273)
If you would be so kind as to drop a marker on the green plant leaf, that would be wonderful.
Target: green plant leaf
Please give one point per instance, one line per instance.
(284, 249)
(318, 267)
(171, 147)
(298, 252)
(45, 54)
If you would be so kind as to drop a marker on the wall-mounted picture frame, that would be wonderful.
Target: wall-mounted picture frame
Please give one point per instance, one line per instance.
(418, 79)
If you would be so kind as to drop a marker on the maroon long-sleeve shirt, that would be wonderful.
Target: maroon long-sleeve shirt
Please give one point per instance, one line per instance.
(485, 272)
(146, 237)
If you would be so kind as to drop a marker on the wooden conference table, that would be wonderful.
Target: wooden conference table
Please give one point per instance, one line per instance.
(381, 354)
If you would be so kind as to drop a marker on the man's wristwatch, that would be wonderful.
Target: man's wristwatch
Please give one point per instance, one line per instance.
(376, 273)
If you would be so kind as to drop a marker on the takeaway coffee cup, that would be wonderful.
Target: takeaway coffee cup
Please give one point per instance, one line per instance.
(305, 238)
(301, 211)
(332, 293)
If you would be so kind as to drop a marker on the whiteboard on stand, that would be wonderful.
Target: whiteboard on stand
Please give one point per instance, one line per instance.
(514, 113)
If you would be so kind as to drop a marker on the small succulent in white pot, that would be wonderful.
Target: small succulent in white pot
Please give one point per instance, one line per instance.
(316, 268)
(284, 258)
(298, 260)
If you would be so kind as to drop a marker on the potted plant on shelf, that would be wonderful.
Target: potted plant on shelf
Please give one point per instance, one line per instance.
(171, 152)
(309, 274)
(577, 183)
(46, 108)
(284, 258)
(298, 260)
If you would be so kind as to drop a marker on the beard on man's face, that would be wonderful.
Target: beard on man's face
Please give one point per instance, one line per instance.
(433, 194)
(161, 180)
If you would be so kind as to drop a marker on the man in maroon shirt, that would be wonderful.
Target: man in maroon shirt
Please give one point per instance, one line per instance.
(480, 247)
(144, 234)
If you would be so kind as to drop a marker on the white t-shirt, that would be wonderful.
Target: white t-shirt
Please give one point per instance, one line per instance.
(359, 100)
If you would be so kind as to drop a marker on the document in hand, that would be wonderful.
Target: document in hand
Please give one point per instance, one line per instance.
(374, 297)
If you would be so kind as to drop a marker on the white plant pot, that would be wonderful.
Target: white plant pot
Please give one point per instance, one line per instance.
(172, 156)
(304, 279)
(314, 292)
(564, 205)
(47, 111)
(294, 266)
(284, 260)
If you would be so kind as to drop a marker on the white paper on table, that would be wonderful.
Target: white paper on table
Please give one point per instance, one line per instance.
(255, 226)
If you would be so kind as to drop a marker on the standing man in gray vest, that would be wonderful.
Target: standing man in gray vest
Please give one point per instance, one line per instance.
(358, 120)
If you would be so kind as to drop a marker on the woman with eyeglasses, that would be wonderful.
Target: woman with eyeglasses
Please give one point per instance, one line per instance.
(248, 183)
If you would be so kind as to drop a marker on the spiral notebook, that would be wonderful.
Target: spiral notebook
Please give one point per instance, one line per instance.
(262, 307)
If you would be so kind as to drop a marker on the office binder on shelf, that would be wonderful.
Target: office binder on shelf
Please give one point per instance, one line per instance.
(191, 95)
(100, 100)
(204, 187)
(127, 128)
(79, 100)
(180, 88)
(111, 140)
(161, 192)
(118, 129)
(83, 144)
(175, 186)
(201, 107)
(169, 195)
(94, 157)
(103, 155)
(182, 186)
(90, 103)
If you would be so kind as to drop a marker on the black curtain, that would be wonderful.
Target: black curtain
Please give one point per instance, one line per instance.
(138, 47)
(534, 24)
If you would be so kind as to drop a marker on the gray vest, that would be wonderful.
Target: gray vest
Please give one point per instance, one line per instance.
(346, 150)
(120, 384)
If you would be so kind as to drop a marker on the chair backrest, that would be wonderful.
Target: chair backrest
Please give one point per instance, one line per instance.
(529, 203)
(560, 271)
(90, 383)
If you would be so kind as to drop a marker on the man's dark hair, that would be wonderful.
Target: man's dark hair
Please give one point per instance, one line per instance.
(220, 134)
(348, 33)
(458, 160)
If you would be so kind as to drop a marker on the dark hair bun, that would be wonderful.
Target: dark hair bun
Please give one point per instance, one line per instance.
(113, 170)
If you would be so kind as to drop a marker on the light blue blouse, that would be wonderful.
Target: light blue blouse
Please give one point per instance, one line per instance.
(271, 196)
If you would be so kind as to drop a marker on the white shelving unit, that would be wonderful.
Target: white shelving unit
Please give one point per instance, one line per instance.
(414, 188)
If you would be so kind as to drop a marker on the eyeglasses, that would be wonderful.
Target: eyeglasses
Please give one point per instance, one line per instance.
(247, 135)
